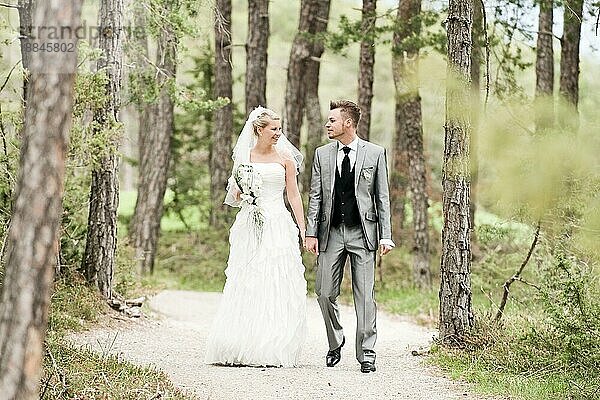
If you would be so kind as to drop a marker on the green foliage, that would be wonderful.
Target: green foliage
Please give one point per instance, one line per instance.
(176, 16)
(192, 262)
(552, 334)
(570, 298)
(530, 176)
(189, 180)
(539, 355)
(73, 305)
(143, 86)
(9, 160)
(423, 25)
(510, 37)
(88, 142)
(548, 346)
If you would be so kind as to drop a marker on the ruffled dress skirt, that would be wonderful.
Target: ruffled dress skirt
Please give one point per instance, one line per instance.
(261, 320)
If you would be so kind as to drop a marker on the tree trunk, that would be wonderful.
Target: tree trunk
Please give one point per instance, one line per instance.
(295, 91)
(476, 60)
(155, 152)
(399, 175)
(410, 132)
(314, 118)
(31, 249)
(101, 244)
(365, 67)
(569, 66)
(256, 54)
(456, 313)
(141, 57)
(220, 153)
(544, 64)
(544, 68)
(26, 9)
(569, 56)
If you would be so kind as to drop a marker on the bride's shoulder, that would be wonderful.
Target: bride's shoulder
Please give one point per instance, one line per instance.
(288, 163)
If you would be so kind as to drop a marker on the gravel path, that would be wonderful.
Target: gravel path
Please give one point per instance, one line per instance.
(174, 342)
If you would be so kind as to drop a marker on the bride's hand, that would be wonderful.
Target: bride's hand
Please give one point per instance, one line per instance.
(303, 237)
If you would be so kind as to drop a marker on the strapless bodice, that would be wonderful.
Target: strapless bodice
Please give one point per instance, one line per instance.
(273, 185)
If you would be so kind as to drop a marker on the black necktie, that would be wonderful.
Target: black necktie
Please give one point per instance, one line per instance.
(346, 162)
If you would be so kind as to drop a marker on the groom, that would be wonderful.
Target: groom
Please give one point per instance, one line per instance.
(348, 215)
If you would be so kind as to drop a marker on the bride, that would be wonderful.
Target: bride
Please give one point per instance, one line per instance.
(261, 320)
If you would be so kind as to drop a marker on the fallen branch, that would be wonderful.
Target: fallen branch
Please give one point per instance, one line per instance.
(487, 55)
(517, 276)
(421, 351)
(130, 307)
(9, 74)
(15, 6)
(597, 20)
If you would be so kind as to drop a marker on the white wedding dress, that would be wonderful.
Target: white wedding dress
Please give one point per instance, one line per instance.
(261, 320)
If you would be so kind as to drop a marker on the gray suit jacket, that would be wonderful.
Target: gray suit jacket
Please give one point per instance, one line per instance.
(370, 186)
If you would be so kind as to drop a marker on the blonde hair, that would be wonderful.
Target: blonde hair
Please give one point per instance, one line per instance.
(263, 120)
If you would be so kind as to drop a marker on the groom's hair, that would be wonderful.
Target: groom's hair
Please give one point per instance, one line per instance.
(348, 108)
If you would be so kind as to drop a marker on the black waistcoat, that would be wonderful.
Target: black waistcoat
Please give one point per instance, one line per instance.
(345, 209)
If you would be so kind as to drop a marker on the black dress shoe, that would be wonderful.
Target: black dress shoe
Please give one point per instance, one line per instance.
(367, 366)
(334, 356)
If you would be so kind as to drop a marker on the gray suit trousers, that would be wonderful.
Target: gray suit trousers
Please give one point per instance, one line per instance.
(343, 242)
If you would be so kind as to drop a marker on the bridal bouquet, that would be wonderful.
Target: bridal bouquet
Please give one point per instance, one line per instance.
(249, 182)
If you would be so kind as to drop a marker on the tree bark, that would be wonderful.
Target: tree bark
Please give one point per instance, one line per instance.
(365, 67)
(476, 60)
(32, 239)
(399, 175)
(256, 54)
(568, 117)
(544, 64)
(26, 9)
(456, 313)
(220, 153)
(569, 56)
(141, 57)
(101, 245)
(544, 67)
(155, 151)
(314, 118)
(409, 157)
(295, 91)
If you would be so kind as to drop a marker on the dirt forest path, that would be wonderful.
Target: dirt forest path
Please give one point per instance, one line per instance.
(174, 342)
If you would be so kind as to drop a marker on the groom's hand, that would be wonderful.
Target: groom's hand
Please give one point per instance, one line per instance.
(384, 249)
(312, 245)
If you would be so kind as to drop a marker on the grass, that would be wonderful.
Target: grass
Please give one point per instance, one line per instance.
(73, 372)
(169, 223)
(508, 360)
(491, 381)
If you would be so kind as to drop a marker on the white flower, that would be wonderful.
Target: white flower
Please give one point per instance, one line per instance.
(250, 184)
(247, 198)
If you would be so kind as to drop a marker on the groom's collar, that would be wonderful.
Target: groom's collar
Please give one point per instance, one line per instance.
(353, 144)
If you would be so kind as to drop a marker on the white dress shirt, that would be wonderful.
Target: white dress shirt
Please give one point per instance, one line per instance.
(352, 156)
